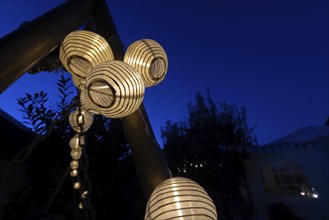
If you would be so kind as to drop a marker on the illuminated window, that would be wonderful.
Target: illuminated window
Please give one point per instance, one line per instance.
(286, 177)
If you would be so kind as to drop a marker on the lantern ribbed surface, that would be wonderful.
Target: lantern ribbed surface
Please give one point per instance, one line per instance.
(114, 89)
(79, 82)
(180, 198)
(84, 102)
(149, 59)
(82, 50)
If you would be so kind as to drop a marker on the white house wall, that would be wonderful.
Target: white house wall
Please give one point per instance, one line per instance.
(314, 164)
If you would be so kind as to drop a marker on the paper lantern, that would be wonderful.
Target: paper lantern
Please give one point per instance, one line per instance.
(85, 119)
(149, 59)
(74, 173)
(180, 198)
(76, 185)
(82, 50)
(84, 102)
(74, 164)
(84, 194)
(78, 81)
(76, 153)
(114, 89)
(77, 141)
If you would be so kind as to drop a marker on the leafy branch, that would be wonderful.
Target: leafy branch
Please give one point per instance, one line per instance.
(37, 114)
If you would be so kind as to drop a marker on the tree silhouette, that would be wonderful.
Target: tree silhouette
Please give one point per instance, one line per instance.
(194, 146)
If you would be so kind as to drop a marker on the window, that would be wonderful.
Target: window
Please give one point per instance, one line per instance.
(286, 177)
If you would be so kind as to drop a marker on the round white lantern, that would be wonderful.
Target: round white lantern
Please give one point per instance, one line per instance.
(78, 81)
(149, 59)
(84, 102)
(76, 153)
(82, 50)
(114, 89)
(85, 119)
(74, 173)
(180, 198)
(77, 141)
(76, 185)
(74, 164)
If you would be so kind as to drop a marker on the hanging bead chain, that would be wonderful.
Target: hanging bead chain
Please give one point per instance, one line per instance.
(80, 120)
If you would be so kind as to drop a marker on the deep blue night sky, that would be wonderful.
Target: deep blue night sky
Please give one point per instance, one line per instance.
(270, 56)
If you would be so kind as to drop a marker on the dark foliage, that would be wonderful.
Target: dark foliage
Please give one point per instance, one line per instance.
(191, 147)
(114, 190)
(194, 148)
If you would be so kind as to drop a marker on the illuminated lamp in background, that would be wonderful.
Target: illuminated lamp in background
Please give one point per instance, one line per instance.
(149, 59)
(82, 50)
(80, 120)
(114, 89)
(180, 198)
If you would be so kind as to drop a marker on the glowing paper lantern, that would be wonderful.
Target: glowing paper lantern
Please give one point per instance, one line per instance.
(180, 198)
(74, 164)
(77, 141)
(85, 119)
(74, 173)
(114, 89)
(76, 185)
(149, 59)
(84, 194)
(82, 50)
(84, 102)
(76, 153)
(79, 82)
